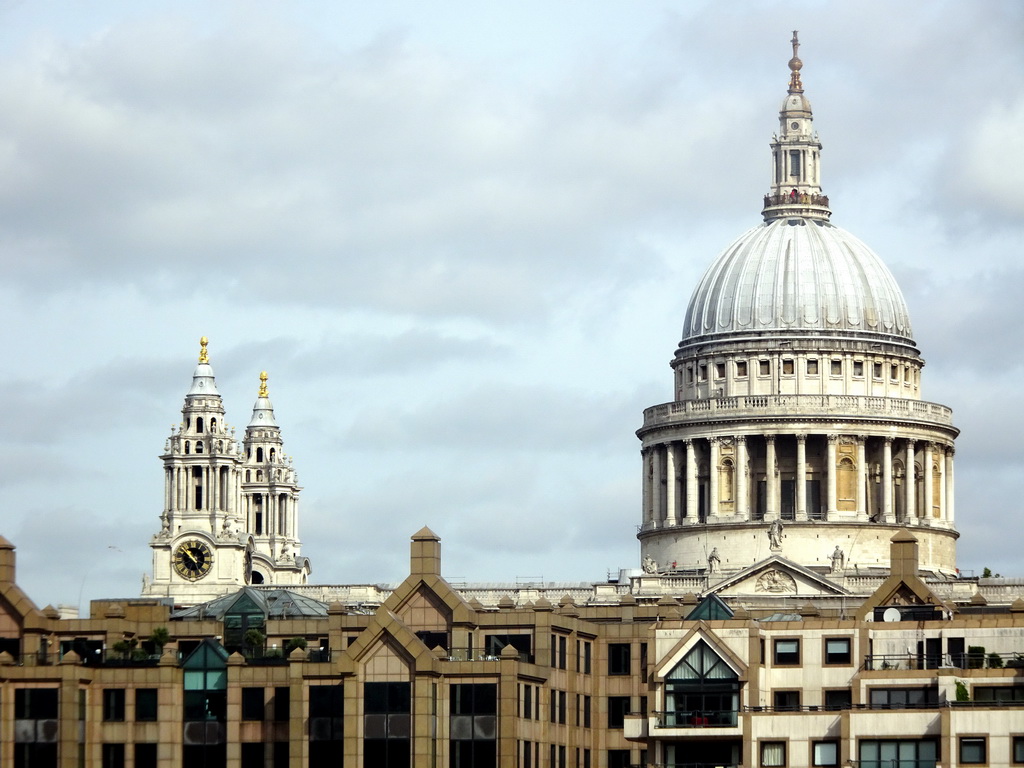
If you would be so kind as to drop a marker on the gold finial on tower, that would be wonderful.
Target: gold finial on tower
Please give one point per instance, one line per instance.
(795, 65)
(204, 357)
(263, 383)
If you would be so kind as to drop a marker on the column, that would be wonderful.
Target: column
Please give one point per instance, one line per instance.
(887, 516)
(713, 509)
(672, 484)
(647, 470)
(862, 478)
(772, 506)
(801, 477)
(911, 505)
(657, 511)
(742, 492)
(928, 486)
(949, 484)
(941, 462)
(691, 482)
(831, 470)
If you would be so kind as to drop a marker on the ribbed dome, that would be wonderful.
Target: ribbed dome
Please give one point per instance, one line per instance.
(797, 276)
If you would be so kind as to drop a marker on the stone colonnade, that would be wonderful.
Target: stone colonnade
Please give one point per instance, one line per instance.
(754, 477)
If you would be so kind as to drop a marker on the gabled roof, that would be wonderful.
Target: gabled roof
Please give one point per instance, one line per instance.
(712, 607)
(799, 574)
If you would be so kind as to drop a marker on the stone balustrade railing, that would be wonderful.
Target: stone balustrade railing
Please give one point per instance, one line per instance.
(744, 406)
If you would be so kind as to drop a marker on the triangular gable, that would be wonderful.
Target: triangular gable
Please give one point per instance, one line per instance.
(441, 594)
(777, 576)
(688, 642)
(903, 586)
(711, 608)
(387, 629)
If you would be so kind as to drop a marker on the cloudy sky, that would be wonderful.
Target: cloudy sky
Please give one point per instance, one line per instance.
(461, 238)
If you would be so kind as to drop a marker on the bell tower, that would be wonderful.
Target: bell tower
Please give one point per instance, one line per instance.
(270, 498)
(230, 510)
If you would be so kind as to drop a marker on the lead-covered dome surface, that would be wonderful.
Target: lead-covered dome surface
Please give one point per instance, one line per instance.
(797, 276)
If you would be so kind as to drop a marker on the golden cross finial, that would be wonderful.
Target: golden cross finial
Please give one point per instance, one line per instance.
(795, 86)
(204, 357)
(263, 383)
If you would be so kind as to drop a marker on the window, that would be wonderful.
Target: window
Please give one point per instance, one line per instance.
(894, 372)
(701, 690)
(145, 705)
(586, 711)
(689, 374)
(528, 701)
(837, 650)
(999, 693)
(719, 370)
(763, 367)
(824, 753)
(741, 368)
(904, 698)
(773, 754)
(794, 163)
(836, 367)
(702, 372)
(841, 698)
(787, 367)
(522, 643)
(812, 367)
(253, 755)
(282, 704)
(787, 652)
(386, 725)
(252, 704)
(586, 657)
(973, 750)
(113, 705)
(618, 658)
(145, 755)
(887, 753)
(876, 370)
(474, 709)
(113, 756)
(326, 709)
(858, 368)
(618, 708)
(1018, 749)
(786, 701)
(618, 758)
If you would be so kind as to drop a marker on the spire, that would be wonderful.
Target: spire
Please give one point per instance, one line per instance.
(795, 65)
(203, 382)
(796, 156)
(263, 410)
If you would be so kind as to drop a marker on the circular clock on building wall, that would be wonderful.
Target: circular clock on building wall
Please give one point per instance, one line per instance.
(192, 559)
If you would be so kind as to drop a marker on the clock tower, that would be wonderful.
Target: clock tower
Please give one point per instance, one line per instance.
(230, 510)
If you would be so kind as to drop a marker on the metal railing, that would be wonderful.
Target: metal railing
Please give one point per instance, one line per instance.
(708, 718)
(966, 660)
(476, 654)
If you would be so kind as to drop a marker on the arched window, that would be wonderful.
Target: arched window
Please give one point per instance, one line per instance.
(213, 425)
(701, 690)
(259, 475)
(199, 424)
(188, 447)
(259, 454)
(273, 454)
(197, 483)
(282, 514)
(199, 446)
(846, 485)
(248, 475)
(727, 482)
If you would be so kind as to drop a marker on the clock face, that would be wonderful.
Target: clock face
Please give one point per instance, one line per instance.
(193, 559)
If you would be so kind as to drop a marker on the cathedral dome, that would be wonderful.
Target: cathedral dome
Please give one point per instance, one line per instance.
(797, 276)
